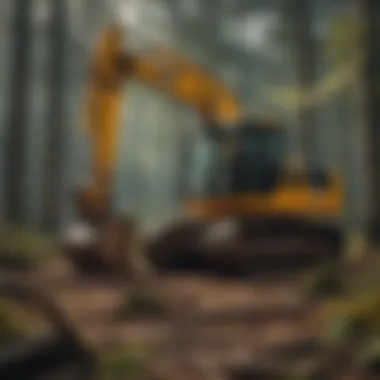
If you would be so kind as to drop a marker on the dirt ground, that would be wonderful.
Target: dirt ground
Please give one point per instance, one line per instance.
(211, 323)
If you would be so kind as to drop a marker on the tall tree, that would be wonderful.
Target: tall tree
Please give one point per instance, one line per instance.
(15, 153)
(56, 115)
(370, 14)
(300, 15)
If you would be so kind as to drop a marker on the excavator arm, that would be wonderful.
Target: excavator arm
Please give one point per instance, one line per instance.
(164, 71)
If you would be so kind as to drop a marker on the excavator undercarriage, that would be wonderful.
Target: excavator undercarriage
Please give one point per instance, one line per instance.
(252, 246)
(245, 247)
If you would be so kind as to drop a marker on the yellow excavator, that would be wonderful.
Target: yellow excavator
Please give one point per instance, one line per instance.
(254, 214)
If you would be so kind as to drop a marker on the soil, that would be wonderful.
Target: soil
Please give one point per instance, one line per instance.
(212, 327)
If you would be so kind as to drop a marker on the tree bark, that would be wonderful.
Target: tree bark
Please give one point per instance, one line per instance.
(370, 13)
(305, 54)
(18, 122)
(56, 116)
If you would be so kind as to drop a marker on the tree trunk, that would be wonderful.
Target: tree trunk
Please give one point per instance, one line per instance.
(305, 52)
(370, 12)
(56, 116)
(15, 153)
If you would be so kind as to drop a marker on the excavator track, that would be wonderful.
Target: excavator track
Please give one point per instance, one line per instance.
(258, 246)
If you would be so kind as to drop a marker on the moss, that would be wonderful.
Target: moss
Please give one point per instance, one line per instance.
(12, 322)
(355, 319)
(139, 303)
(23, 249)
(367, 309)
(301, 371)
(366, 278)
(121, 363)
(324, 281)
(346, 329)
(369, 357)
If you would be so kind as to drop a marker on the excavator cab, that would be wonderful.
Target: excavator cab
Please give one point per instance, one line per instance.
(253, 155)
(249, 174)
(259, 162)
(257, 158)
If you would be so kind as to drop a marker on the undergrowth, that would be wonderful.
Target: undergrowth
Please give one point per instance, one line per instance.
(140, 303)
(21, 248)
(122, 362)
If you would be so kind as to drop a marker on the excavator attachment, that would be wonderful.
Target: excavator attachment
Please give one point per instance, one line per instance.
(103, 249)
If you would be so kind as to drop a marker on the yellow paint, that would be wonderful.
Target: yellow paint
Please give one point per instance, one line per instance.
(285, 200)
(166, 72)
(184, 81)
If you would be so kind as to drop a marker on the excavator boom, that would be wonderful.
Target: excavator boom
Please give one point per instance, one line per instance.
(163, 70)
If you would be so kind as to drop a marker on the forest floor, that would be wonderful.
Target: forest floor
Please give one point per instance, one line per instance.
(208, 326)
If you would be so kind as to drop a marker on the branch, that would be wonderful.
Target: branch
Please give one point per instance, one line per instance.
(294, 98)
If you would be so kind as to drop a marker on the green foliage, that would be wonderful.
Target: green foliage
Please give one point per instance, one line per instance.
(341, 50)
(367, 279)
(300, 371)
(367, 308)
(23, 248)
(304, 374)
(297, 377)
(343, 37)
(121, 363)
(345, 329)
(139, 303)
(324, 281)
(369, 357)
(356, 319)
(12, 325)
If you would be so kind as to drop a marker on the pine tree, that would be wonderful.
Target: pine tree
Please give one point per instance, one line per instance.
(55, 117)
(18, 118)
(305, 57)
(370, 13)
